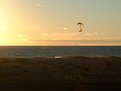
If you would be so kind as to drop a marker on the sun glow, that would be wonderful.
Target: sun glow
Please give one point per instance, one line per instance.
(4, 36)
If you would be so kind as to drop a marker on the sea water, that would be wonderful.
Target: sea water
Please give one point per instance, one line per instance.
(58, 51)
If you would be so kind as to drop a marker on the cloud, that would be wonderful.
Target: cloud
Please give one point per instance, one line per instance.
(62, 28)
(78, 38)
(78, 42)
(92, 34)
(88, 34)
(65, 28)
(44, 34)
(75, 38)
(96, 34)
(40, 5)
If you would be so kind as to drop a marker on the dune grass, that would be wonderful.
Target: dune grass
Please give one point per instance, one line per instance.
(59, 73)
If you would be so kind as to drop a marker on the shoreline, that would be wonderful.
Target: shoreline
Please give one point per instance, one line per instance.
(56, 56)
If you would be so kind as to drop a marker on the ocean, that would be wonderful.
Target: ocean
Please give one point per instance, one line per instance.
(58, 51)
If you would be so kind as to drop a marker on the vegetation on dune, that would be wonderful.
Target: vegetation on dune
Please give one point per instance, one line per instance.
(63, 69)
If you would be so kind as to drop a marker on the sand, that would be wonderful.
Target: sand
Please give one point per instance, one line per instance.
(60, 74)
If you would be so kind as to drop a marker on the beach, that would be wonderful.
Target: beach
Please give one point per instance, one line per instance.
(60, 45)
(77, 73)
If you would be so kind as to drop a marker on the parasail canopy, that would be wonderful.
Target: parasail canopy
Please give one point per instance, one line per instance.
(81, 26)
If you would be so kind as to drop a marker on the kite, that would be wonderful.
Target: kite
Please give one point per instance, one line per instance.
(81, 26)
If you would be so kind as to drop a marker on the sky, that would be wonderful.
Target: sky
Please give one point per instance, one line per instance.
(54, 22)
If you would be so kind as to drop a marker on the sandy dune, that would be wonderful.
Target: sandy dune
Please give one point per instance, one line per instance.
(68, 70)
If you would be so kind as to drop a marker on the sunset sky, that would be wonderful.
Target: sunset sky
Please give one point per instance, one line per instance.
(54, 22)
